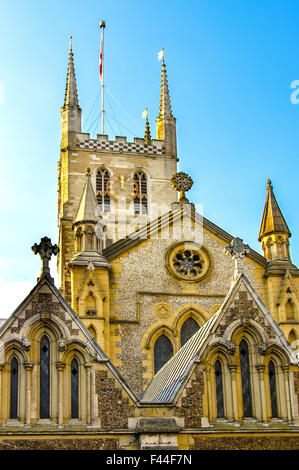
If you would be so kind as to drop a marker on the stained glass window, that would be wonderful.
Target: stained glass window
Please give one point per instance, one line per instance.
(245, 376)
(75, 388)
(188, 329)
(163, 351)
(44, 378)
(219, 389)
(272, 381)
(14, 373)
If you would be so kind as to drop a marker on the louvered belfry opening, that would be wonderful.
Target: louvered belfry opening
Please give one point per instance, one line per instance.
(163, 351)
(14, 387)
(103, 198)
(245, 376)
(219, 389)
(44, 378)
(273, 392)
(75, 388)
(140, 201)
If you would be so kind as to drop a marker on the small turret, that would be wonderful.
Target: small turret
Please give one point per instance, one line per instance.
(274, 232)
(165, 122)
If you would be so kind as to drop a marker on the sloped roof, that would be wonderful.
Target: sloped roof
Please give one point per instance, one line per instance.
(169, 380)
(150, 229)
(273, 220)
(87, 208)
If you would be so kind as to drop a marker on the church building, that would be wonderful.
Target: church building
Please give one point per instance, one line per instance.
(164, 331)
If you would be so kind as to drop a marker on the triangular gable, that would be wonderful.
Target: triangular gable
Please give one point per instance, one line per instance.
(40, 302)
(151, 229)
(169, 382)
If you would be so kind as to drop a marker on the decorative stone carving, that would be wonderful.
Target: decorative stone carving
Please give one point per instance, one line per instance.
(162, 310)
(182, 182)
(263, 348)
(231, 347)
(45, 249)
(26, 343)
(237, 250)
(62, 344)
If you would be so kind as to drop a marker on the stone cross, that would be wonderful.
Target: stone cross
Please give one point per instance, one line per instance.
(45, 249)
(237, 249)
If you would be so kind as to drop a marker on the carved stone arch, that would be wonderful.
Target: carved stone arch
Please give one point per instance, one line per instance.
(277, 353)
(251, 328)
(158, 331)
(33, 324)
(189, 310)
(218, 349)
(77, 349)
(12, 348)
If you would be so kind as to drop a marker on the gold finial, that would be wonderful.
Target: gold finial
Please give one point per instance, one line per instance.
(182, 182)
(102, 24)
(88, 172)
(71, 50)
(269, 182)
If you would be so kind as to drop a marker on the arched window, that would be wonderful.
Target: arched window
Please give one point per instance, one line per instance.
(292, 339)
(103, 198)
(79, 236)
(14, 388)
(273, 394)
(74, 389)
(189, 328)
(92, 331)
(163, 351)
(219, 389)
(245, 376)
(290, 310)
(140, 202)
(44, 378)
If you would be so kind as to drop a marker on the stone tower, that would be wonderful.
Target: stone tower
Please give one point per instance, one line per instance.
(147, 163)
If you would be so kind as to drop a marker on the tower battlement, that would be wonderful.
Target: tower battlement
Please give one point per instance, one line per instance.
(120, 144)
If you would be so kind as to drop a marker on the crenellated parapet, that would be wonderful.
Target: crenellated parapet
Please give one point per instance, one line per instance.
(120, 144)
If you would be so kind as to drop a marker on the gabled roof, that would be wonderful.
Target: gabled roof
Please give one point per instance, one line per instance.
(170, 379)
(100, 354)
(152, 228)
(273, 220)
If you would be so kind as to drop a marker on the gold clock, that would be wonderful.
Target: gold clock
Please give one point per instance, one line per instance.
(122, 188)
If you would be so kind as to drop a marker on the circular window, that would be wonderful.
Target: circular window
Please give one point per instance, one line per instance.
(188, 261)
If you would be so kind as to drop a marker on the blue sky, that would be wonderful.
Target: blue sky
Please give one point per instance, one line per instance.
(230, 67)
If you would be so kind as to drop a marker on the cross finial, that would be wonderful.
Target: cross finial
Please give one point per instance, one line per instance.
(237, 249)
(182, 182)
(45, 250)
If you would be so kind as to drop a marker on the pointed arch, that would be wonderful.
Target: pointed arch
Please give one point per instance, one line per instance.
(189, 328)
(74, 389)
(141, 200)
(44, 377)
(14, 388)
(273, 389)
(103, 198)
(163, 351)
(245, 378)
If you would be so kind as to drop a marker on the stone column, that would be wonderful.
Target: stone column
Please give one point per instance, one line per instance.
(285, 369)
(1, 399)
(233, 368)
(261, 371)
(60, 367)
(88, 393)
(28, 372)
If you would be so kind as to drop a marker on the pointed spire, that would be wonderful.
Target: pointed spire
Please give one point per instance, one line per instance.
(71, 95)
(87, 209)
(147, 132)
(273, 220)
(165, 105)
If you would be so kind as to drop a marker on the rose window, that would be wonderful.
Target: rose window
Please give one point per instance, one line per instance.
(188, 263)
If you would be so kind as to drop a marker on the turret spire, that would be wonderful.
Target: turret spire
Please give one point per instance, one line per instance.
(147, 132)
(87, 209)
(71, 95)
(274, 232)
(165, 105)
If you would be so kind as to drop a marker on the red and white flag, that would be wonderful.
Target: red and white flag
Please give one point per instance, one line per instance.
(101, 59)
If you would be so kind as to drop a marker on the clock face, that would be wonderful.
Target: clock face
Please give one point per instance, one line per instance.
(122, 188)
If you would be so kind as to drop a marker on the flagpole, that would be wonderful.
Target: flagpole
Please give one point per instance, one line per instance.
(102, 26)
